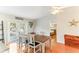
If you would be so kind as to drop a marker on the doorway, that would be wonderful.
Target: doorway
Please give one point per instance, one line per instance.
(1, 31)
(53, 35)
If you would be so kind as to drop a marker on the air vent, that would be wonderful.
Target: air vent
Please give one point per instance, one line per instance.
(19, 18)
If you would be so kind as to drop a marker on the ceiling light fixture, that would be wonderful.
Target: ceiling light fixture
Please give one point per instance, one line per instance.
(57, 9)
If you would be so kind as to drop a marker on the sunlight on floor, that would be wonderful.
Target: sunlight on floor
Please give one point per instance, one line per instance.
(13, 48)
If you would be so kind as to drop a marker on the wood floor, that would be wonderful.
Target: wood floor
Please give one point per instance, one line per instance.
(57, 48)
(61, 48)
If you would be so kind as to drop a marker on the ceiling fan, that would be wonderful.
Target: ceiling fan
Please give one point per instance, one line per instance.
(57, 9)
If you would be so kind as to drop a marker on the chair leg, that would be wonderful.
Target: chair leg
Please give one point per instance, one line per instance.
(40, 48)
(34, 49)
(43, 47)
(28, 49)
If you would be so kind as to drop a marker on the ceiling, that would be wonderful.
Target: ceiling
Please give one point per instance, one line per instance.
(32, 12)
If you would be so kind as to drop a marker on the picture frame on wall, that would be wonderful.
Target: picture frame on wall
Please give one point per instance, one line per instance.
(13, 27)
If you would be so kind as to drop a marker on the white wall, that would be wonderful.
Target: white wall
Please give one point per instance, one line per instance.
(63, 25)
(43, 24)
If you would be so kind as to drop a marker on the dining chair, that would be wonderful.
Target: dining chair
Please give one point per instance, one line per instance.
(33, 46)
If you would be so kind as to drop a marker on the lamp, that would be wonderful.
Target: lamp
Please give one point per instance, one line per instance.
(21, 31)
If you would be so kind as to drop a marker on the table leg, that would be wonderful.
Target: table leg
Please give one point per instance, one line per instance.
(50, 43)
(20, 44)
